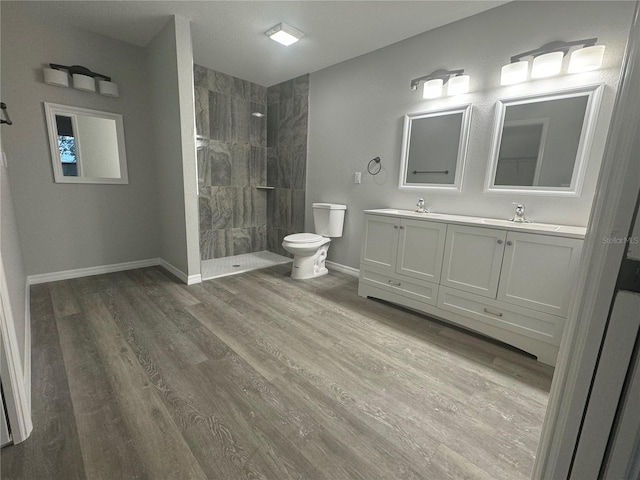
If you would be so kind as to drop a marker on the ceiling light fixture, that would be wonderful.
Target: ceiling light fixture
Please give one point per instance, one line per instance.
(547, 60)
(83, 79)
(458, 83)
(284, 34)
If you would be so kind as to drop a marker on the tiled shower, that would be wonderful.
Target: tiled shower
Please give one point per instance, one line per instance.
(249, 136)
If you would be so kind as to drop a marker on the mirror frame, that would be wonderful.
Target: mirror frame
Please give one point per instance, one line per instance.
(594, 96)
(463, 142)
(53, 109)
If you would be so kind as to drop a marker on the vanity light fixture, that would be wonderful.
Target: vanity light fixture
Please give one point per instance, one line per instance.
(458, 83)
(284, 34)
(83, 79)
(548, 59)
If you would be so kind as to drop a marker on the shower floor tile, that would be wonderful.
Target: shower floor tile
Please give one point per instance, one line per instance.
(222, 267)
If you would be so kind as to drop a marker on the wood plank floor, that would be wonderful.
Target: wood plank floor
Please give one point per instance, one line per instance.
(257, 376)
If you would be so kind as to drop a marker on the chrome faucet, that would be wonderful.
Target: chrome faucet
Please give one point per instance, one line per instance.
(519, 214)
(421, 207)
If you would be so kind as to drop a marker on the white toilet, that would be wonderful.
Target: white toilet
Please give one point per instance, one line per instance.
(310, 250)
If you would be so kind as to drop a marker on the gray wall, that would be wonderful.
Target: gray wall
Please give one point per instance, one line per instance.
(232, 161)
(66, 226)
(356, 110)
(163, 79)
(287, 126)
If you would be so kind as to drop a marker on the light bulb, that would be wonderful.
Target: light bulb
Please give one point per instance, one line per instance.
(458, 85)
(547, 65)
(432, 88)
(514, 73)
(586, 59)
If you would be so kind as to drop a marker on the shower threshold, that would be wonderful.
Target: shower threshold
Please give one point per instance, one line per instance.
(222, 267)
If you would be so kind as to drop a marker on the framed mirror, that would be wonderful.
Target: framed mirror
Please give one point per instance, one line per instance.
(541, 142)
(87, 146)
(434, 149)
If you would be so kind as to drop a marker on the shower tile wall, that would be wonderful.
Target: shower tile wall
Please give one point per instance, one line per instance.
(287, 114)
(232, 161)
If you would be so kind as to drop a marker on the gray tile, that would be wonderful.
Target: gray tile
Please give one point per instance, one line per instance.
(240, 159)
(297, 210)
(220, 82)
(222, 207)
(285, 161)
(240, 88)
(222, 243)
(240, 115)
(286, 90)
(206, 244)
(272, 166)
(241, 238)
(273, 242)
(273, 94)
(242, 207)
(300, 120)
(204, 166)
(259, 207)
(258, 125)
(283, 208)
(200, 76)
(202, 111)
(204, 209)
(258, 238)
(221, 163)
(301, 85)
(258, 94)
(299, 166)
(219, 116)
(258, 166)
(273, 122)
(285, 119)
(272, 207)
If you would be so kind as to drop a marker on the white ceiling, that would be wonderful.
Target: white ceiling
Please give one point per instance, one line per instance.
(229, 35)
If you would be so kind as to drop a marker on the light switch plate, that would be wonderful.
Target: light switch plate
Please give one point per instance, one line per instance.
(357, 177)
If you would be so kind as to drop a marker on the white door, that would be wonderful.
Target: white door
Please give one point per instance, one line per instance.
(380, 241)
(539, 271)
(420, 249)
(472, 259)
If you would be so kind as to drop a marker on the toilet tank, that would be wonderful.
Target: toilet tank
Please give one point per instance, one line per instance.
(328, 219)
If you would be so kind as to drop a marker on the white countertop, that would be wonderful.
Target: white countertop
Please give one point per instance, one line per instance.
(542, 228)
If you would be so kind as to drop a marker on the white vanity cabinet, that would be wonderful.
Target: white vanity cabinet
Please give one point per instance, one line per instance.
(403, 256)
(512, 282)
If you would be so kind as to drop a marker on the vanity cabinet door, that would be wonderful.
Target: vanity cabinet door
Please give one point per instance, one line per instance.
(539, 271)
(380, 241)
(420, 249)
(472, 259)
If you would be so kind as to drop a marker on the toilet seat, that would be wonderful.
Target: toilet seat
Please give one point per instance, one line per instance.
(303, 238)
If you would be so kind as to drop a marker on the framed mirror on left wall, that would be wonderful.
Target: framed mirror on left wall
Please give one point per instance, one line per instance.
(87, 146)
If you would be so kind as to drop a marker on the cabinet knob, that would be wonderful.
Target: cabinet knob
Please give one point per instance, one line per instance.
(509, 242)
(395, 226)
(499, 242)
(401, 227)
(395, 284)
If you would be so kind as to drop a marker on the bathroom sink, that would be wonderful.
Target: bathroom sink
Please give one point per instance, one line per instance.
(525, 226)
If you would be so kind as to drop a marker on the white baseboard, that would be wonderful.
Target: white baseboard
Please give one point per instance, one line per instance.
(87, 272)
(188, 279)
(354, 272)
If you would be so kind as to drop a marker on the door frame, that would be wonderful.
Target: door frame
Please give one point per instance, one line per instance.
(611, 217)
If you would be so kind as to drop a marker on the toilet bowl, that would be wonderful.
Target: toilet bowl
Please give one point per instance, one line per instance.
(309, 253)
(309, 250)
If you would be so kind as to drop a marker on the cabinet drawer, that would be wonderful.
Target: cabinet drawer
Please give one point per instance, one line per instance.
(530, 323)
(421, 291)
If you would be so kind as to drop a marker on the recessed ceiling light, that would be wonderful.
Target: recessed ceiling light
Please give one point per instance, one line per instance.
(258, 114)
(284, 34)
